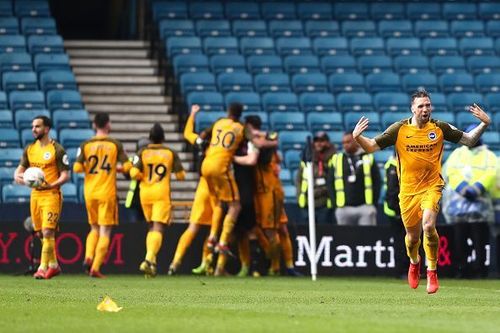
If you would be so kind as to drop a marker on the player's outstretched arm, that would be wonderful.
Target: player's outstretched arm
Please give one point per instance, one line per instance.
(18, 175)
(469, 139)
(368, 144)
(189, 134)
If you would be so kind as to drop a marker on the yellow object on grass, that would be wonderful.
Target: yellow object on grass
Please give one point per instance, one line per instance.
(108, 305)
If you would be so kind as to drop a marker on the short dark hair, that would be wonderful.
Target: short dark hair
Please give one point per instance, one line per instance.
(45, 120)
(254, 120)
(235, 110)
(101, 119)
(418, 94)
(156, 133)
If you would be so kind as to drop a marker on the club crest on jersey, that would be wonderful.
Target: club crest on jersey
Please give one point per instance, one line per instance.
(47, 156)
(432, 135)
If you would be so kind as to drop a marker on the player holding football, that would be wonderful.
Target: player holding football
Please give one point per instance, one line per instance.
(99, 157)
(46, 199)
(419, 147)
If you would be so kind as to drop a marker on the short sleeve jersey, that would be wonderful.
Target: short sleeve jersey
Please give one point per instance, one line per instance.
(419, 152)
(99, 157)
(156, 162)
(51, 158)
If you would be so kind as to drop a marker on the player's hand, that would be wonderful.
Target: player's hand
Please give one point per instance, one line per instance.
(19, 179)
(480, 114)
(195, 108)
(361, 126)
(45, 186)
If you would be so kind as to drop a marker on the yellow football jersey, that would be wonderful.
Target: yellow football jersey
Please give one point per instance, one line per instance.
(52, 159)
(419, 152)
(156, 164)
(99, 157)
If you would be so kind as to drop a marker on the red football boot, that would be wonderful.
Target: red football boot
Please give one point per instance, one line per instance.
(96, 274)
(51, 272)
(414, 274)
(432, 282)
(40, 274)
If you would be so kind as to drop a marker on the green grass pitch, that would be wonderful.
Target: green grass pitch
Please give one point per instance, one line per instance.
(189, 304)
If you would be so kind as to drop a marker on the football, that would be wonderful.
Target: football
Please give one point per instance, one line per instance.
(33, 177)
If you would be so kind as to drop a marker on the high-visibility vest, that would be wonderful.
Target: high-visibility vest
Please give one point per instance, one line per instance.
(302, 198)
(130, 194)
(391, 162)
(337, 163)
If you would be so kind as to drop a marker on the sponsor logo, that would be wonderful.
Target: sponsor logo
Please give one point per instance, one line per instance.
(432, 135)
(47, 155)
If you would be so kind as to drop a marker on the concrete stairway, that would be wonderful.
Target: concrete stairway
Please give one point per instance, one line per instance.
(119, 77)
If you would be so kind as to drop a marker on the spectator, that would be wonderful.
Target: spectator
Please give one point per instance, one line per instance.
(354, 184)
(391, 201)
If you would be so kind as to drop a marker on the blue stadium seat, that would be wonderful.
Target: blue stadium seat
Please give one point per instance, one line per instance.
(290, 192)
(169, 10)
(459, 82)
(6, 9)
(338, 64)
(12, 62)
(249, 28)
(388, 118)
(439, 102)
(45, 44)
(6, 119)
(278, 11)
(325, 121)
(73, 137)
(316, 101)
(458, 102)
(69, 193)
(346, 82)
(492, 139)
(64, 99)
(183, 45)
(411, 64)
(12, 44)
(336, 138)
(73, 118)
(374, 64)
(206, 119)
(242, 10)
(440, 46)
(293, 46)
(229, 63)
(351, 11)
(176, 28)
(31, 8)
(292, 159)
(383, 82)
(352, 118)
(285, 176)
(27, 136)
(311, 82)
(476, 46)
(489, 11)
(9, 26)
(391, 101)
(382, 156)
(315, 28)
(264, 64)
(10, 157)
(314, 11)
(12, 193)
(295, 64)
(57, 79)
(257, 46)
(493, 28)
(38, 26)
(367, 46)
(397, 29)
(208, 101)
(203, 81)
(9, 138)
(285, 28)
(292, 121)
(403, 46)
(206, 10)
(280, 102)
(293, 139)
(493, 102)
(465, 119)
(448, 117)
(431, 29)
(6, 175)
(24, 118)
(352, 29)
(44, 62)
(264, 117)
(448, 64)
(459, 11)
(413, 82)
(220, 45)
(330, 46)
(423, 11)
(487, 83)
(274, 82)
(227, 82)
(190, 63)
(26, 100)
(354, 101)
(496, 120)
(250, 100)
(19, 81)
(213, 28)
(387, 11)
(468, 28)
(3, 101)
(497, 46)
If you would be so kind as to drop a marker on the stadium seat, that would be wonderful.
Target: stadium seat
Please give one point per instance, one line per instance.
(45, 44)
(336, 138)
(264, 64)
(311, 82)
(314, 11)
(293, 46)
(338, 64)
(208, 101)
(292, 159)
(413, 82)
(169, 10)
(489, 11)
(459, 11)
(493, 28)
(250, 100)
(73, 118)
(176, 28)
(382, 156)
(324, 121)
(278, 11)
(403, 46)
(316, 28)
(73, 137)
(448, 117)
(227, 82)
(285, 176)
(24, 118)
(431, 29)
(388, 118)
(496, 120)
(31, 9)
(27, 136)
(274, 82)
(352, 29)
(465, 119)
(396, 29)
(411, 64)
(440, 46)
(26, 100)
(280, 102)
(6, 9)
(491, 139)
(293, 139)
(458, 102)
(354, 101)
(476, 46)
(346, 82)
(423, 11)
(383, 82)
(439, 102)
(190, 63)
(468, 28)
(285, 28)
(19, 81)
(352, 118)
(206, 119)
(493, 102)
(6, 119)
(12, 62)
(242, 10)
(367, 46)
(257, 46)
(290, 192)
(448, 64)
(69, 193)
(3, 101)
(264, 117)
(487, 83)
(387, 11)
(374, 64)
(206, 10)
(249, 28)
(316, 101)
(190, 82)
(64, 99)
(10, 157)
(12, 44)
(213, 28)
(38, 26)
(9, 138)
(220, 45)
(15, 193)
(330, 46)
(9, 26)
(57, 79)
(291, 121)
(295, 64)
(458, 82)
(351, 11)
(6, 175)
(183, 45)
(44, 62)
(391, 101)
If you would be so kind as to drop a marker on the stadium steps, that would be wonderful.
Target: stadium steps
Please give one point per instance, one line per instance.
(121, 78)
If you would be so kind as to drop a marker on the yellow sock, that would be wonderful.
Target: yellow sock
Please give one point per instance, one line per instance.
(286, 247)
(184, 242)
(275, 252)
(91, 244)
(431, 245)
(52, 262)
(221, 263)
(46, 254)
(227, 229)
(205, 252)
(100, 253)
(412, 250)
(153, 245)
(244, 251)
(216, 221)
